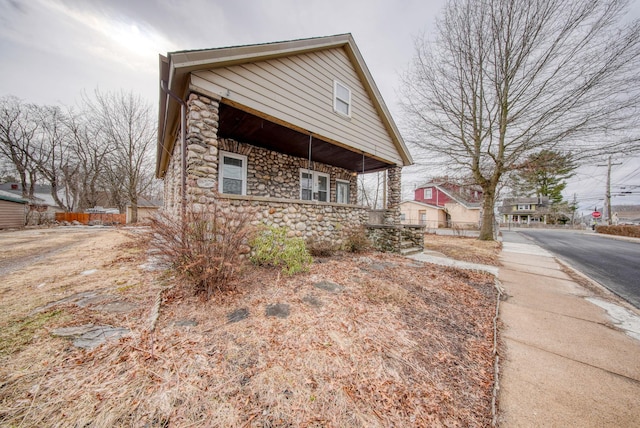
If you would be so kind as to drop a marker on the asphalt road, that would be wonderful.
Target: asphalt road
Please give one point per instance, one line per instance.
(611, 262)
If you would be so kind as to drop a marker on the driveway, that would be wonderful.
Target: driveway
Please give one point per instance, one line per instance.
(23, 248)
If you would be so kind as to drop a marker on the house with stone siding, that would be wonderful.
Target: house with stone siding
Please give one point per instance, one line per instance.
(285, 128)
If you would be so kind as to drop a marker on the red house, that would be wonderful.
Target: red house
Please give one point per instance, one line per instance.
(443, 203)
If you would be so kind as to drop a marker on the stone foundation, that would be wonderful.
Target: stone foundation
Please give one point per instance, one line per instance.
(388, 238)
(322, 221)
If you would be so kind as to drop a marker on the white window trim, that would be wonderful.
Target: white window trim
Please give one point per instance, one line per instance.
(314, 184)
(243, 158)
(430, 190)
(348, 191)
(336, 98)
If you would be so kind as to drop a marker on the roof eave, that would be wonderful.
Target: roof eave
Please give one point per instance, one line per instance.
(175, 67)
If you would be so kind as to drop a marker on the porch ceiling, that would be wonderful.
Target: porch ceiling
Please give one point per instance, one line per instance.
(248, 128)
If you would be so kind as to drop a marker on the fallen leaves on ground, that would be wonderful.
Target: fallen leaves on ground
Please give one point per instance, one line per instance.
(465, 248)
(397, 344)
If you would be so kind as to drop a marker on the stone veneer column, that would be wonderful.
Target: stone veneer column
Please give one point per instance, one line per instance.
(202, 149)
(394, 195)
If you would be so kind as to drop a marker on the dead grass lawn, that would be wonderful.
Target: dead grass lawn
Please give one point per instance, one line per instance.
(401, 344)
(465, 248)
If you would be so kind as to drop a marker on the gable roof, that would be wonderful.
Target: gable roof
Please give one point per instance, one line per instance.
(452, 194)
(8, 196)
(176, 67)
(422, 204)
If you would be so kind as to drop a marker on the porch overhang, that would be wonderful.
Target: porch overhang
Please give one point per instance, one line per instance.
(255, 128)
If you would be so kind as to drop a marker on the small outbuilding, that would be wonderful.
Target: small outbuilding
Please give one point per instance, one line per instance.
(12, 211)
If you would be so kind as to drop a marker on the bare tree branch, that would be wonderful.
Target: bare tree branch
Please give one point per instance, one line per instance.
(507, 78)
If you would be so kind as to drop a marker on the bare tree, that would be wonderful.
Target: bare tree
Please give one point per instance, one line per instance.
(91, 155)
(506, 78)
(127, 125)
(54, 157)
(17, 130)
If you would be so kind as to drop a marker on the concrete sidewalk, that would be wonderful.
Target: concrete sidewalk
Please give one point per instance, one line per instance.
(563, 364)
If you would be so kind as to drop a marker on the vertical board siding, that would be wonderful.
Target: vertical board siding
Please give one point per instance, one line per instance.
(299, 90)
(85, 218)
(12, 214)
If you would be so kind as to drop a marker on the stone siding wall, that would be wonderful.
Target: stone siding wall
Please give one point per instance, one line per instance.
(387, 237)
(277, 175)
(273, 180)
(323, 221)
(273, 184)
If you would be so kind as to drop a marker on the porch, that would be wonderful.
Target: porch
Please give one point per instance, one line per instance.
(289, 178)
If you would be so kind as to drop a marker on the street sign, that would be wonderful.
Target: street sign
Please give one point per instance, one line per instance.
(596, 214)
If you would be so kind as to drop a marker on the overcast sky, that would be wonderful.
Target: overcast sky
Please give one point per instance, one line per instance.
(52, 50)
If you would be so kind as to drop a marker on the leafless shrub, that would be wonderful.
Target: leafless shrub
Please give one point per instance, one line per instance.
(320, 247)
(357, 241)
(208, 248)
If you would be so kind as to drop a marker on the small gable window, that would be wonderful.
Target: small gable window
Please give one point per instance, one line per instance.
(341, 99)
(428, 193)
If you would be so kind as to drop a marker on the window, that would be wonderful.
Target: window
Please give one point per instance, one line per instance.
(524, 207)
(233, 174)
(314, 186)
(341, 98)
(342, 192)
(428, 193)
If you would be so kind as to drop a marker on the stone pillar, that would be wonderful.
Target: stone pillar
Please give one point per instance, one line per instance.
(202, 149)
(394, 195)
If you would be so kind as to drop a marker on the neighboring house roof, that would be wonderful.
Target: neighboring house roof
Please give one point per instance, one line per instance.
(526, 200)
(180, 69)
(146, 202)
(11, 197)
(435, 207)
(537, 204)
(41, 195)
(449, 190)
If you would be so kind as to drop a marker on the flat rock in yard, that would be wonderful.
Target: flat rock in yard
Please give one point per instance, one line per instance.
(89, 336)
(185, 323)
(154, 263)
(379, 267)
(77, 299)
(280, 310)
(238, 315)
(115, 307)
(92, 299)
(312, 300)
(329, 286)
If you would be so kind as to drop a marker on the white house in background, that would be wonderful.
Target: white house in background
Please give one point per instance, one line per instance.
(524, 210)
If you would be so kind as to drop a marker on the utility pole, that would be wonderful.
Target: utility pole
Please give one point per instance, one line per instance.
(607, 193)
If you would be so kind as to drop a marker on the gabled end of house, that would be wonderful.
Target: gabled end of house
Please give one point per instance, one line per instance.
(286, 127)
(441, 203)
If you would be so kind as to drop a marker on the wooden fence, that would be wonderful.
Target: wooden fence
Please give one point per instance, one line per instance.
(95, 218)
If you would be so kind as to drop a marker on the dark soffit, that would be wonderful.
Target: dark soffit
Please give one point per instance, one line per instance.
(248, 128)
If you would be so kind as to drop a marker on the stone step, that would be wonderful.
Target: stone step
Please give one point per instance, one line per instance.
(410, 250)
(406, 244)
